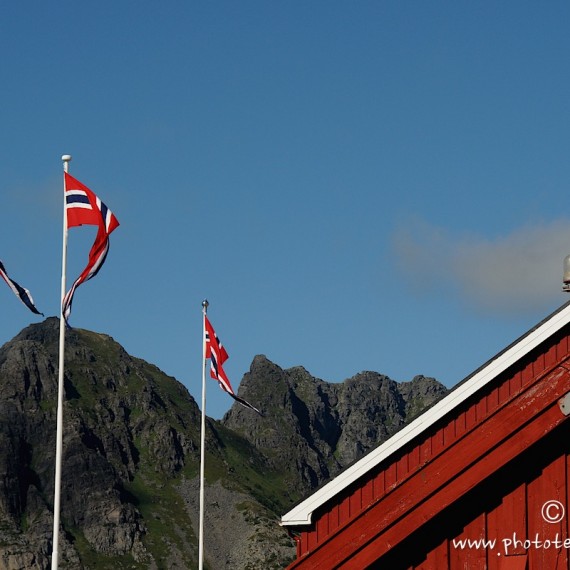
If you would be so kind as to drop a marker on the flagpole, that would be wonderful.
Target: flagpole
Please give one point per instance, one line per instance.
(202, 438)
(66, 158)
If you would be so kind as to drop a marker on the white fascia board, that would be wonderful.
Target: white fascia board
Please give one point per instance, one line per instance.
(302, 513)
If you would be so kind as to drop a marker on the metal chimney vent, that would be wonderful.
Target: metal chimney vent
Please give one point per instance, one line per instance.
(566, 276)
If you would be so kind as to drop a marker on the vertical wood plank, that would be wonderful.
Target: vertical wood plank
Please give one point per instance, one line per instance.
(355, 501)
(470, 417)
(437, 558)
(539, 364)
(516, 383)
(414, 458)
(549, 486)
(437, 442)
(312, 538)
(449, 433)
(425, 450)
(559, 349)
(550, 358)
(379, 485)
(492, 401)
(473, 558)
(507, 523)
(390, 476)
(460, 424)
(344, 511)
(481, 409)
(527, 374)
(333, 518)
(504, 390)
(322, 525)
(367, 493)
(402, 468)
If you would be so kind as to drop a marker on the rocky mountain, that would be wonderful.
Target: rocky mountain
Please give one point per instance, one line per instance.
(312, 429)
(131, 455)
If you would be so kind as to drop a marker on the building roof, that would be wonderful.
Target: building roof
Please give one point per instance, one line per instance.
(301, 514)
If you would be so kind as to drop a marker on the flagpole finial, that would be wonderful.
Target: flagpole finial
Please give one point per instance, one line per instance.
(66, 157)
(205, 305)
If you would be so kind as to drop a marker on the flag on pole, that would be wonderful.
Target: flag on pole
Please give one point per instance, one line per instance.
(221, 354)
(22, 293)
(83, 207)
(218, 355)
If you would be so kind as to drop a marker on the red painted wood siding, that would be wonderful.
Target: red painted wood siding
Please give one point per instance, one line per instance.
(434, 442)
(507, 512)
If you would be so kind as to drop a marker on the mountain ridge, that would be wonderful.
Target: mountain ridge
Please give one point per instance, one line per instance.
(131, 454)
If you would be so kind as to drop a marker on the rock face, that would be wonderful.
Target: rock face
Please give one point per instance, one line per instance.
(131, 452)
(129, 495)
(114, 420)
(313, 429)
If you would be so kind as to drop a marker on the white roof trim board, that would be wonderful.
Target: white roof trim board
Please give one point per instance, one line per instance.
(301, 513)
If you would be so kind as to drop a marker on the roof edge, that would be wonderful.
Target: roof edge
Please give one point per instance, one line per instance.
(301, 514)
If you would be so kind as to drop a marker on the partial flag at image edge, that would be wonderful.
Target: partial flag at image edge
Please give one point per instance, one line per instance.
(21, 292)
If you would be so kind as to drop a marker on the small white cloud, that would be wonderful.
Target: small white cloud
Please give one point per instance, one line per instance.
(511, 273)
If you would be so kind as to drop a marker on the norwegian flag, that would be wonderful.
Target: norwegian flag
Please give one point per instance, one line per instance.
(222, 355)
(22, 293)
(83, 207)
(218, 355)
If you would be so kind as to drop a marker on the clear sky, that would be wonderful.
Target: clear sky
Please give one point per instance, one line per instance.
(372, 185)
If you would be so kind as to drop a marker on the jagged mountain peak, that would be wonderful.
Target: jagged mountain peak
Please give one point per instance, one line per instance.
(131, 454)
(330, 425)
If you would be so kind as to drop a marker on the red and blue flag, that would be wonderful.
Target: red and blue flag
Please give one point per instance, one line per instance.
(218, 355)
(21, 292)
(83, 207)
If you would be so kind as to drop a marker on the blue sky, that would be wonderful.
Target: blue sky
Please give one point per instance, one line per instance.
(352, 185)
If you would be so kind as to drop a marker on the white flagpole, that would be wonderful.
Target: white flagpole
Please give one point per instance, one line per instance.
(202, 438)
(59, 436)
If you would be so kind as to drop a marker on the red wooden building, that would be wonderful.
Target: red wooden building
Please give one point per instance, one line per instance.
(480, 480)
